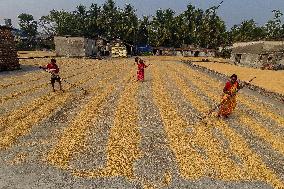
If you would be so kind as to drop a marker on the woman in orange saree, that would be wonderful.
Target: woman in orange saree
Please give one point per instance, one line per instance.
(229, 101)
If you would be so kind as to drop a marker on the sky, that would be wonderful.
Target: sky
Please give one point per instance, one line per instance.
(232, 11)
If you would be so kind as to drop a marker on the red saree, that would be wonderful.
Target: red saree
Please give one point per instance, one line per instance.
(140, 72)
(229, 102)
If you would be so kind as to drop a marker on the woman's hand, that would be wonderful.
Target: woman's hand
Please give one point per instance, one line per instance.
(227, 92)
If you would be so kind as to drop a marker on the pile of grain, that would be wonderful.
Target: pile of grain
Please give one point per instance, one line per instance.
(8, 53)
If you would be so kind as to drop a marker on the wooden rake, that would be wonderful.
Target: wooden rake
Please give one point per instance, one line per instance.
(85, 92)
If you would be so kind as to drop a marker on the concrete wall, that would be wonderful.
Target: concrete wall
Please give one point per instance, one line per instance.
(243, 44)
(258, 53)
(201, 54)
(74, 46)
(211, 54)
(267, 44)
(256, 60)
(179, 53)
(90, 47)
(188, 53)
(273, 45)
(185, 53)
(168, 53)
(249, 60)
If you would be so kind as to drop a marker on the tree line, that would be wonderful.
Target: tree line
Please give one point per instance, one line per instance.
(194, 26)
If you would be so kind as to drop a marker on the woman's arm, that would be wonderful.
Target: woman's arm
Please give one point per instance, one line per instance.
(43, 67)
(226, 91)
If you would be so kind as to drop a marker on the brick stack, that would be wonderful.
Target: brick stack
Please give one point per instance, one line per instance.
(8, 53)
(118, 49)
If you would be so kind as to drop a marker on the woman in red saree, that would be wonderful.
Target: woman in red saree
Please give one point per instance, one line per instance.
(140, 72)
(229, 101)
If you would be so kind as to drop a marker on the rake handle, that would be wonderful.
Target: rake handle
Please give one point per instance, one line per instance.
(64, 80)
(216, 107)
(74, 85)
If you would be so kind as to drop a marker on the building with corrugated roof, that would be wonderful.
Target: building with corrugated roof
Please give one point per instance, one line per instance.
(258, 54)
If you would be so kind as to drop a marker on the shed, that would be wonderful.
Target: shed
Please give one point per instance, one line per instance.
(75, 46)
(258, 54)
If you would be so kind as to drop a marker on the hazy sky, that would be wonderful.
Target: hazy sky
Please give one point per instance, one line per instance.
(232, 11)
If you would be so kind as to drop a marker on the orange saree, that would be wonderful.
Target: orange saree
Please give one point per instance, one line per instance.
(229, 101)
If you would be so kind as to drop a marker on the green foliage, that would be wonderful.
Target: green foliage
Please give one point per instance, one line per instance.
(274, 27)
(142, 33)
(247, 31)
(162, 28)
(196, 27)
(146, 54)
(29, 26)
(60, 23)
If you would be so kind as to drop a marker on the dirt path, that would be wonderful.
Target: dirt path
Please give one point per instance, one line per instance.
(125, 134)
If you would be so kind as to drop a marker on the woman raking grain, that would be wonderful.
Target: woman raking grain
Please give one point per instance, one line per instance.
(140, 72)
(229, 101)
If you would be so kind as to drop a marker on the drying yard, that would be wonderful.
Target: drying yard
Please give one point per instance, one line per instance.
(125, 134)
